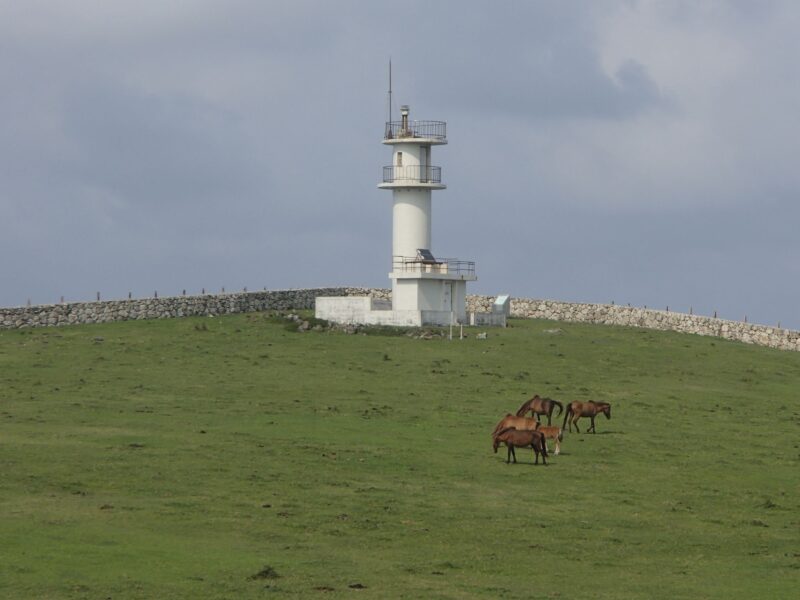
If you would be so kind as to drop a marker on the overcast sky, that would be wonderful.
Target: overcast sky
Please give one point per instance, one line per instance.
(640, 152)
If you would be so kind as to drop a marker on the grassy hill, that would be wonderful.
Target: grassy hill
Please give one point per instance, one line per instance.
(232, 458)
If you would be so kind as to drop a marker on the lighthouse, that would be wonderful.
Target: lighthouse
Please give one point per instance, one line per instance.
(421, 281)
(427, 289)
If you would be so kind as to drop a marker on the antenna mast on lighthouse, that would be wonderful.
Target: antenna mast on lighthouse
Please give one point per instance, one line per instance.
(389, 123)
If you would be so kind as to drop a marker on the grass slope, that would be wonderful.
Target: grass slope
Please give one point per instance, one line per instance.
(231, 458)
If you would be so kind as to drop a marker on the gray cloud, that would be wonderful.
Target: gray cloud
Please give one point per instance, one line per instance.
(640, 152)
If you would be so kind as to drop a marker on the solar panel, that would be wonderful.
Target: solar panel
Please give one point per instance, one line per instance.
(425, 255)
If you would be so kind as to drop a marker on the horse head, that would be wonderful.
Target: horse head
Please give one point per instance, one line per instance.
(607, 410)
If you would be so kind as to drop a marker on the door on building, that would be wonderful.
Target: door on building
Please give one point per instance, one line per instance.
(447, 300)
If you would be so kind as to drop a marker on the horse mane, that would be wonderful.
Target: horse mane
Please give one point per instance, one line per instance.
(502, 431)
(526, 406)
(497, 427)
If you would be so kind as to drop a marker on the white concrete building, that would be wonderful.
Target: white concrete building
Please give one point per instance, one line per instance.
(426, 289)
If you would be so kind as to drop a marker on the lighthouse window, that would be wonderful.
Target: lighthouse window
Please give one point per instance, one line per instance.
(399, 159)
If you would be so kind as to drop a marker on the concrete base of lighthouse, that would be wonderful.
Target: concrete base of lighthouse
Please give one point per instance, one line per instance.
(417, 299)
(431, 294)
(363, 310)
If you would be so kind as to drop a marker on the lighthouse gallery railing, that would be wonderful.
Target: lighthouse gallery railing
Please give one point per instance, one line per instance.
(433, 130)
(413, 264)
(412, 173)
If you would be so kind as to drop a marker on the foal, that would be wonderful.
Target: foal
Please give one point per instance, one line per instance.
(521, 439)
(552, 432)
(576, 410)
(540, 406)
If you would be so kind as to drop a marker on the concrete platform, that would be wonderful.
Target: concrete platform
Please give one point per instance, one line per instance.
(364, 310)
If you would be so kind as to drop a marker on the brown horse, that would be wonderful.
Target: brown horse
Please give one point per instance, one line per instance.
(540, 406)
(552, 432)
(576, 410)
(521, 439)
(521, 423)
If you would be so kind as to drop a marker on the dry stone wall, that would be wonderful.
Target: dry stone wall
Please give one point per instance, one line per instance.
(611, 314)
(49, 315)
(528, 308)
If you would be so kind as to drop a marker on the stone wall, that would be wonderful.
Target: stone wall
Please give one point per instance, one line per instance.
(48, 315)
(610, 314)
(218, 304)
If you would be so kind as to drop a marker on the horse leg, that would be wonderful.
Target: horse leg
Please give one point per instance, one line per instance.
(558, 447)
(511, 454)
(575, 422)
(550, 416)
(592, 428)
(508, 453)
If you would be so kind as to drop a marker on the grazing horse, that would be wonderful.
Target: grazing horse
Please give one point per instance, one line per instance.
(521, 423)
(521, 439)
(540, 406)
(576, 410)
(552, 432)
(512, 438)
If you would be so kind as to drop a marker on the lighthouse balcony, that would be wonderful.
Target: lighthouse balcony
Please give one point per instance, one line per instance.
(417, 176)
(418, 267)
(426, 132)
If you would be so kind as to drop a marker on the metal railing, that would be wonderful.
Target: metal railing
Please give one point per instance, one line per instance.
(435, 130)
(413, 264)
(412, 173)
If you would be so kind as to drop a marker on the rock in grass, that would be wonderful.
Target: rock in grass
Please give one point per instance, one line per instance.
(266, 573)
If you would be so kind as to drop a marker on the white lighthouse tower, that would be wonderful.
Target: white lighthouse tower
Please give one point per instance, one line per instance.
(421, 281)
(426, 288)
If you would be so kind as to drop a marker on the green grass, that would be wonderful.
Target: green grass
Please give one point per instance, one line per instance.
(181, 458)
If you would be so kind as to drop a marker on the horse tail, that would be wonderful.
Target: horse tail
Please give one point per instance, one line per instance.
(524, 408)
(544, 446)
(567, 413)
(559, 405)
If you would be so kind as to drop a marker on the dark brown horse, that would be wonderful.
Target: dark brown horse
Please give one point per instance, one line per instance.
(576, 410)
(521, 423)
(521, 439)
(540, 406)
